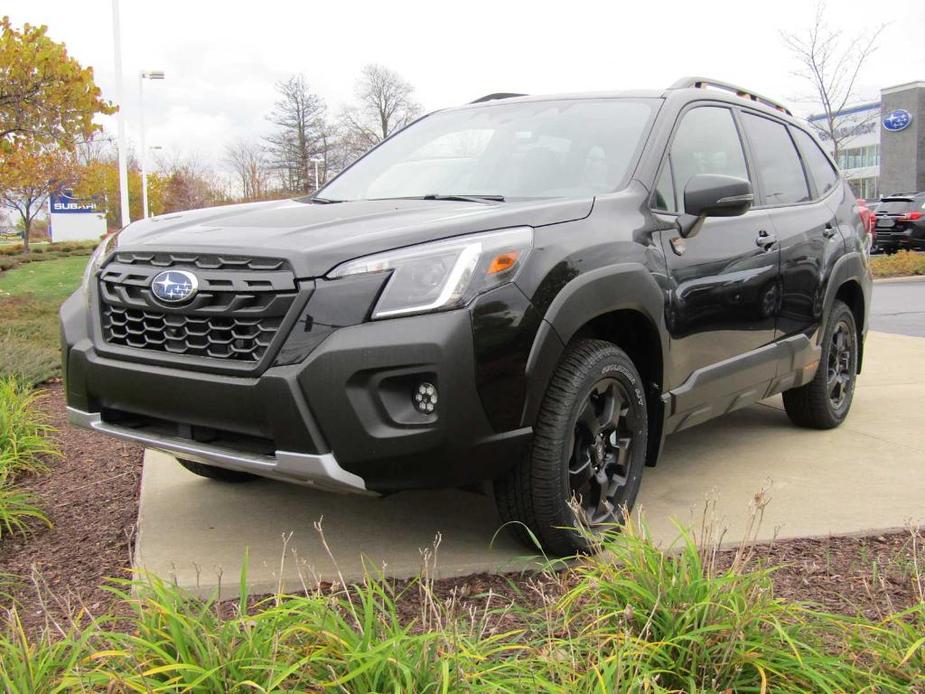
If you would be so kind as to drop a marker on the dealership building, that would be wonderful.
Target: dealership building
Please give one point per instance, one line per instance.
(885, 150)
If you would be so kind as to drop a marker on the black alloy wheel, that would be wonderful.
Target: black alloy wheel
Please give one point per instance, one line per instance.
(824, 402)
(599, 462)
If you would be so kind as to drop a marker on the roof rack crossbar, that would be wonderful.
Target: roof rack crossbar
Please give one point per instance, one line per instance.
(704, 82)
(495, 96)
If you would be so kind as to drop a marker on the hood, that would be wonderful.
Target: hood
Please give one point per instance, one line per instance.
(316, 237)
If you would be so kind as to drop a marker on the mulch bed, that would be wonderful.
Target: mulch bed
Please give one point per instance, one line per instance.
(91, 496)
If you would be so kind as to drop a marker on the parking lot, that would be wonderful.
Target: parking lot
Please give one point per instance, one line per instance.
(899, 307)
(868, 475)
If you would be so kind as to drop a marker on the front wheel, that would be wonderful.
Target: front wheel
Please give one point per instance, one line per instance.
(823, 403)
(588, 452)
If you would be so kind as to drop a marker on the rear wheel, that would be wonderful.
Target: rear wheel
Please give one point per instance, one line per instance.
(215, 473)
(587, 455)
(824, 402)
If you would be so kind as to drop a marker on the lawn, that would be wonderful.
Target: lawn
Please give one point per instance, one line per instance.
(29, 300)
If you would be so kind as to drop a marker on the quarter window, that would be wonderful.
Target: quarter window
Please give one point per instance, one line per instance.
(818, 165)
(706, 142)
(782, 179)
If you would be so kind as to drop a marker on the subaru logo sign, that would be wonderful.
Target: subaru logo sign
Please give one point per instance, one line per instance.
(897, 120)
(174, 286)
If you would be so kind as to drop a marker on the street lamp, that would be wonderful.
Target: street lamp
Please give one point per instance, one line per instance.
(142, 76)
(316, 161)
(125, 216)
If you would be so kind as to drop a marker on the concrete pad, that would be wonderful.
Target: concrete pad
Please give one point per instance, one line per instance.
(867, 475)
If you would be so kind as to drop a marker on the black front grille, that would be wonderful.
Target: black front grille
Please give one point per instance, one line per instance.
(235, 315)
(219, 337)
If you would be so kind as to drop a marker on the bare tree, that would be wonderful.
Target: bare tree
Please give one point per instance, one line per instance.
(385, 104)
(831, 63)
(248, 161)
(300, 136)
(189, 184)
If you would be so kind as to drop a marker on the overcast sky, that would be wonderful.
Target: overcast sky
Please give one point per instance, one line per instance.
(223, 58)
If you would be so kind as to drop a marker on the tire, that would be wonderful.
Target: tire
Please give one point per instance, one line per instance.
(595, 388)
(216, 473)
(824, 402)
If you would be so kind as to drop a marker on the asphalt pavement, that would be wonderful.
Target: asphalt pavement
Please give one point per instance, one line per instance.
(898, 307)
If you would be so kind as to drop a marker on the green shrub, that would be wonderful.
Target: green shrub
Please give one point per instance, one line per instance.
(17, 508)
(24, 448)
(8, 263)
(682, 622)
(900, 264)
(29, 667)
(638, 618)
(24, 431)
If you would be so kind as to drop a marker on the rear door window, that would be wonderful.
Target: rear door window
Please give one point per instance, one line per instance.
(779, 169)
(818, 165)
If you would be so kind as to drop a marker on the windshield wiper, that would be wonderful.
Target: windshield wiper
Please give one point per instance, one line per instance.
(324, 201)
(464, 198)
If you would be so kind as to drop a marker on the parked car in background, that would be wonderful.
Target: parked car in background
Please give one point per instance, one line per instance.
(530, 292)
(901, 222)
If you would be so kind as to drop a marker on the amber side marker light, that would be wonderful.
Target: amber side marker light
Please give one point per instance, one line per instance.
(502, 262)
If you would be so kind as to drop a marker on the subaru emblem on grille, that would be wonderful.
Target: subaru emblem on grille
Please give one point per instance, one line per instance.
(174, 286)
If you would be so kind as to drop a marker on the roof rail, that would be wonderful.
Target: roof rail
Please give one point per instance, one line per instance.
(704, 82)
(495, 96)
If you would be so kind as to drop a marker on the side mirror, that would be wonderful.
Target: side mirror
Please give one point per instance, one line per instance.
(713, 195)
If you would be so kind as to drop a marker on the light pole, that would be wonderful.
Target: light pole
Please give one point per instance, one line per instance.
(316, 161)
(142, 76)
(125, 216)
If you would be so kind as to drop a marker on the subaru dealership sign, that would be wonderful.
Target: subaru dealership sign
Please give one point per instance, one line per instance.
(64, 203)
(75, 219)
(897, 120)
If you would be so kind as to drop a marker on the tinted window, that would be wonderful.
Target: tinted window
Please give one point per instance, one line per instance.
(576, 147)
(706, 141)
(782, 179)
(895, 207)
(820, 168)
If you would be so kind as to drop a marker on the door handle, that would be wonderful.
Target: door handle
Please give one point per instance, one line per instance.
(765, 240)
(829, 230)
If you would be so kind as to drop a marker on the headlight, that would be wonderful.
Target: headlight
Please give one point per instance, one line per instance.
(444, 274)
(96, 259)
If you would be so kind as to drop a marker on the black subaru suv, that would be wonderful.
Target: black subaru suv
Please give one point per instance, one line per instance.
(531, 291)
(901, 222)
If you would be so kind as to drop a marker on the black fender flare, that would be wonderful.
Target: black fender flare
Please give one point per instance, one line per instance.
(623, 286)
(852, 266)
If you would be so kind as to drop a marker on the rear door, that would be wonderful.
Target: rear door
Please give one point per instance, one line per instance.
(723, 281)
(803, 222)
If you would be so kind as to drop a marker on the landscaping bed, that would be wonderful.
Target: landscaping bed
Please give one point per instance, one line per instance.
(90, 495)
(899, 264)
(567, 627)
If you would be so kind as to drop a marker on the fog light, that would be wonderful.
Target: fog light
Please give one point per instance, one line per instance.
(425, 398)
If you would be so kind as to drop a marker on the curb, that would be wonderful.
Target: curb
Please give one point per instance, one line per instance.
(908, 278)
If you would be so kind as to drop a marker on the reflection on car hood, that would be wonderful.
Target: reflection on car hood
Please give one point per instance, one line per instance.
(316, 237)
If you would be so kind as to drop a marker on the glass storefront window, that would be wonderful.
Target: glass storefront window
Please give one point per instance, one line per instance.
(859, 157)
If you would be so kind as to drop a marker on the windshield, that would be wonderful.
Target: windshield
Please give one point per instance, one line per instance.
(565, 148)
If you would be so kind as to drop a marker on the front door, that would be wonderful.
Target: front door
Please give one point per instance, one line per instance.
(724, 283)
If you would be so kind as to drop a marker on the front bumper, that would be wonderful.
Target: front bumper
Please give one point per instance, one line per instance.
(340, 419)
(316, 470)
